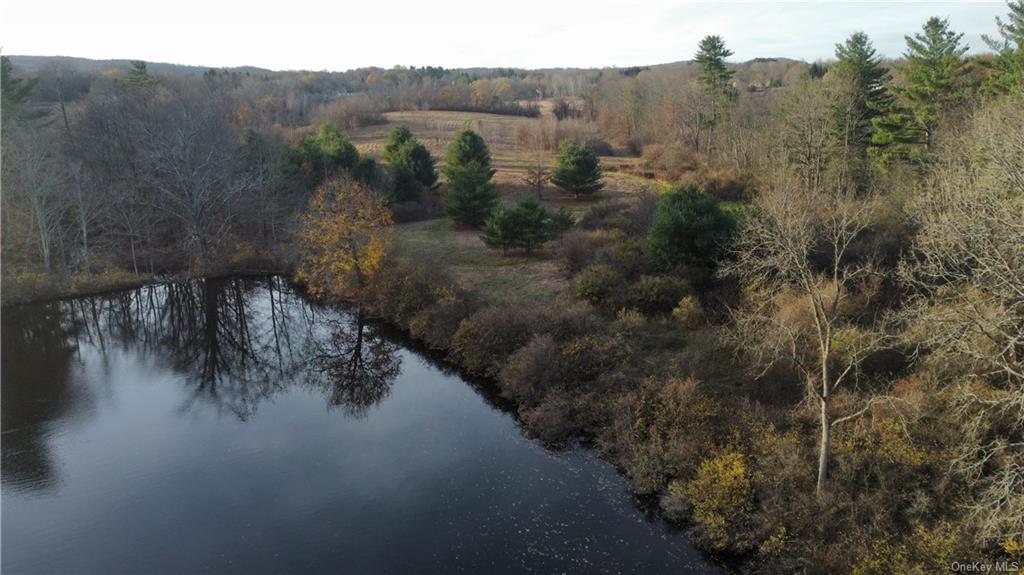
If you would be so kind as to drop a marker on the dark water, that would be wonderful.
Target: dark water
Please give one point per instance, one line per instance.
(230, 426)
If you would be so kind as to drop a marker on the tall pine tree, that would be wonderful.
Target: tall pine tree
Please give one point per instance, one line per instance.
(861, 69)
(1008, 73)
(715, 78)
(931, 83)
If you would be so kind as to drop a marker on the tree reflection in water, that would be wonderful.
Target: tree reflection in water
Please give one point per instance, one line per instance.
(238, 342)
(359, 365)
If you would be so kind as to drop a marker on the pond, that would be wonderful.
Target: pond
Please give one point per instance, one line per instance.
(231, 426)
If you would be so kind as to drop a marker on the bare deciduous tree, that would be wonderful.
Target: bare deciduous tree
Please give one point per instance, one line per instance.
(969, 277)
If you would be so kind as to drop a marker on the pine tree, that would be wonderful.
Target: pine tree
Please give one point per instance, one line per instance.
(526, 226)
(714, 76)
(410, 163)
(399, 136)
(139, 76)
(467, 147)
(931, 82)
(716, 80)
(868, 81)
(1009, 64)
(471, 196)
(578, 170)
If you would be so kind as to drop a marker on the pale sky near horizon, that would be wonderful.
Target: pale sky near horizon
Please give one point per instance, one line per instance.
(463, 33)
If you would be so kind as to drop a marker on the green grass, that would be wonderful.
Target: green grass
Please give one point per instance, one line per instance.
(507, 278)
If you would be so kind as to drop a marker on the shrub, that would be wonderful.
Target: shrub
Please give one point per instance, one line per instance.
(626, 256)
(689, 228)
(485, 339)
(688, 312)
(532, 370)
(726, 185)
(437, 324)
(720, 496)
(677, 420)
(553, 421)
(577, 251)
(657, 295)
(588, 356)
(566, 320)
(601, 285)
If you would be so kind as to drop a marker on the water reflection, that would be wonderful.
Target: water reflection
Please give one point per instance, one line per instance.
(38, 348)
(237, 342)
(359, 366)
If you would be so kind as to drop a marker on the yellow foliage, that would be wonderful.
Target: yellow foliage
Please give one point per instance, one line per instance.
(924, 551)
(343, 237)
(721, 491)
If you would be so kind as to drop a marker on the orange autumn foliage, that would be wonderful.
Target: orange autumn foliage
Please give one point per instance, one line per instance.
(343, 237)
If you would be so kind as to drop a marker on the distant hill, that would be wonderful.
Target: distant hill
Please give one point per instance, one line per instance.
(35, 63)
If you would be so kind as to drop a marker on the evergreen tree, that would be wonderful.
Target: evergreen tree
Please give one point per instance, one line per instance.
(578, 170)
(398, 138)
(467, 147)
(138, 75)
(716, 80)
(689, 229)
(471, 196)
(411, 165)
(1009, 64)
(932, 82)
(526, 226)
(714, 76)
(860, 69)
(324, 155)
(416, 157)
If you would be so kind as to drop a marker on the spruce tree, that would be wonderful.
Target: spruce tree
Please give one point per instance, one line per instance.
(578, 170)
(932, 82)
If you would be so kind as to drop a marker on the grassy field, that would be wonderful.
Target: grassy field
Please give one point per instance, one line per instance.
(512, 277)
(502, 134)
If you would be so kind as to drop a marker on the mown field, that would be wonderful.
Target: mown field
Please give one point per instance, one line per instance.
(502, 277)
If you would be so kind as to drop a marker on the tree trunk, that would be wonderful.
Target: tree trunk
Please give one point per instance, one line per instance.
(823, 449)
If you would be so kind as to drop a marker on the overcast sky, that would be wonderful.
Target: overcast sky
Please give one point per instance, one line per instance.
(340, 35)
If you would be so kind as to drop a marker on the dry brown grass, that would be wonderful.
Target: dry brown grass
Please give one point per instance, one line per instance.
(436, 128)
(503, 278)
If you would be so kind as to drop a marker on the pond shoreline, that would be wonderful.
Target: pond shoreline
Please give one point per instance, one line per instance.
(485, 388)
